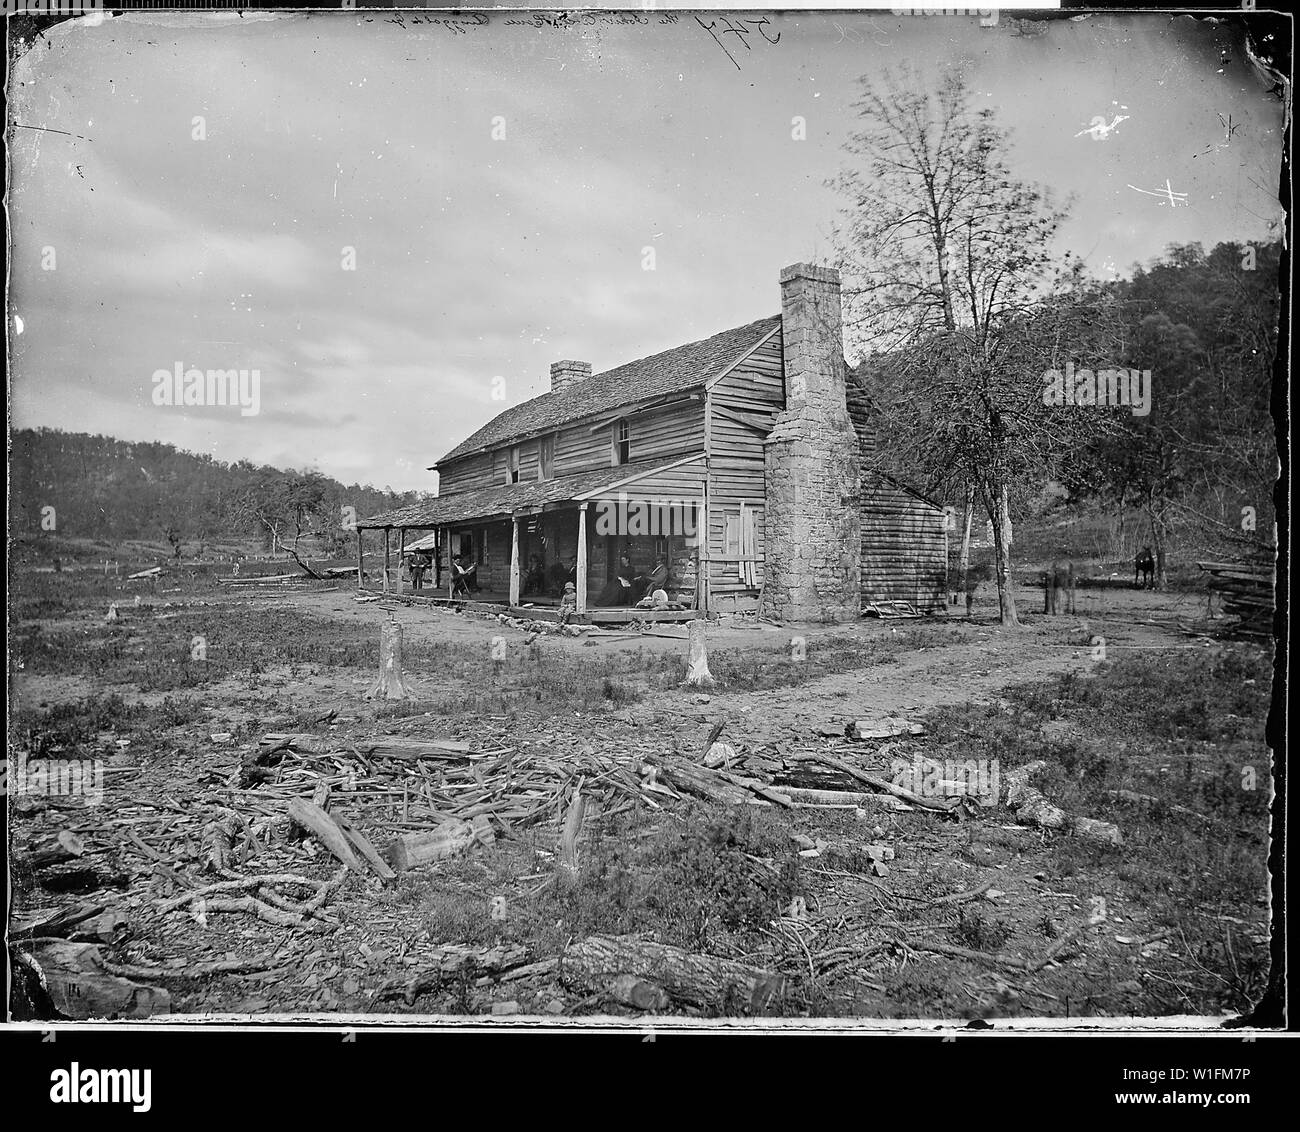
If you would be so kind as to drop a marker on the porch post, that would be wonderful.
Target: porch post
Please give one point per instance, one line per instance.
(514, 560)
(401, 549)
(582, 558)
(387, 558)
(702, 548)
(451, 567)
(360, 571)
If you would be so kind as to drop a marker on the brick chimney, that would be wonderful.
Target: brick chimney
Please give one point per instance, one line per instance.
(564, 374)
(813, 524)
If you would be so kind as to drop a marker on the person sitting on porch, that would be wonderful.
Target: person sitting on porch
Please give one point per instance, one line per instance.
(463, 571)
(559, 574)
(568, 603)
(619, 590)
(657, 579)
(535, 579)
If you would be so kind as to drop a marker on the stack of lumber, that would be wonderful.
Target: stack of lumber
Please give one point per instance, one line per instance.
(1246, 588)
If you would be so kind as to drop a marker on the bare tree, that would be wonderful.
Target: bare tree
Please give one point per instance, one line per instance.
(947, 261)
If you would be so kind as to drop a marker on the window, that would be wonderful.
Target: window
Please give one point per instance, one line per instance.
(546, 458)
(622, 447)
(512, 464)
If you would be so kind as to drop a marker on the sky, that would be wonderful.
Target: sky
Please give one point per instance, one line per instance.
(400, 225)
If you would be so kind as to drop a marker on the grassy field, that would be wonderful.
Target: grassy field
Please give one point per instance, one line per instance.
(1164, 740)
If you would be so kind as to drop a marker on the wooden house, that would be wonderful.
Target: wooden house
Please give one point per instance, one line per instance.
(733, 461)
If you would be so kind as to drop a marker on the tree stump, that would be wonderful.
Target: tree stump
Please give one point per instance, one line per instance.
(698, 671)
(390, 685)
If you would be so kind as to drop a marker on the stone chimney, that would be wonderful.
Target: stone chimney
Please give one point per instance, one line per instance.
(564, 374)
(812, 525)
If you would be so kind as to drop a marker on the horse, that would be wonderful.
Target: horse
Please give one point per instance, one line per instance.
(1145, 565)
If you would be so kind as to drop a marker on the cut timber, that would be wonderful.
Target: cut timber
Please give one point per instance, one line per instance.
(1031, 806)
(697, 672)
(361, 844)
(942, 805)
(689, 779)
(80, 988)
(390, 685)
(799, 794)
(55, 850)
(275, 742)
(311, 817)
(632, 990)
(599, 963)
(454, 837)
(152, 572)
(455, 960)
(885, 728)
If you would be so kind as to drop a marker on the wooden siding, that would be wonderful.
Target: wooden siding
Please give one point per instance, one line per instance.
(674, 430)
(742, 406)
(904, 547)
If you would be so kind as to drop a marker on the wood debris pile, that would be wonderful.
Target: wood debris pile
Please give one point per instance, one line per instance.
(1246, 589)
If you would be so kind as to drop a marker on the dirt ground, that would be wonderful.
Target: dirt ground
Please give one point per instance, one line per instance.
(851, 940)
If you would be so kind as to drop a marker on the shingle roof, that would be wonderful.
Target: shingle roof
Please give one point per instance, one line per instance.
(489, 502)
(672, 371)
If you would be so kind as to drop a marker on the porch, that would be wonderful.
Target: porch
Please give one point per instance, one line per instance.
(614, 536)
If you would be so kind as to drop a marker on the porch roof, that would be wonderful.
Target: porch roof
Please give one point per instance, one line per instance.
(507, 500)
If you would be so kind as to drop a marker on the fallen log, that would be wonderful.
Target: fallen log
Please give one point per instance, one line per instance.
(194, 970)
(704, 982)
(81, 988)
(362, 845)
(800, 795)
(455, 961)
(942, 805)
(1031, 805)
(762, 789)
(54, 921)
(447, 840)
(695, 780)
(64, 846)
(311, 817)
(887, 727)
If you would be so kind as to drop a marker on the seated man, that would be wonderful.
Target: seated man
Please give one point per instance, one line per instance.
(463, 575)
(535, 578)
(657, 579)
(558, 574)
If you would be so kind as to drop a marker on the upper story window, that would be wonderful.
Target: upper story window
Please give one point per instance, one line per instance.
(622, 445)
(512, 464)
(546, 458)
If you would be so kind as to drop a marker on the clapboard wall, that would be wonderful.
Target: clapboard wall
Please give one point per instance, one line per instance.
(904, 546)
(742, 405)
(657, 433)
